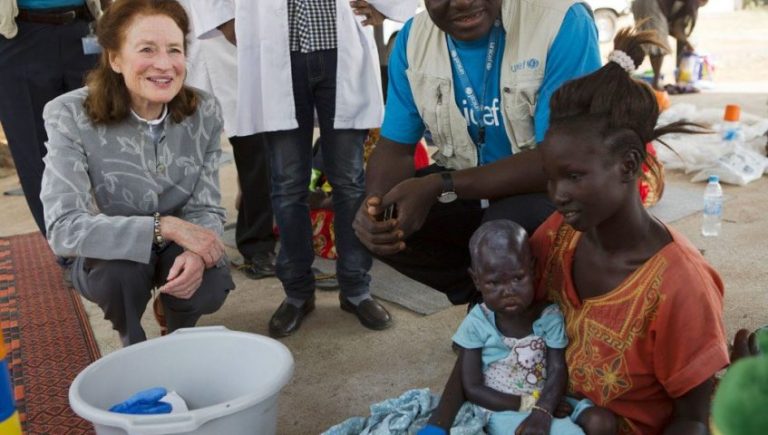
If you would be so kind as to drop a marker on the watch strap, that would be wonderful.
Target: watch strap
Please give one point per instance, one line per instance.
(447, 182)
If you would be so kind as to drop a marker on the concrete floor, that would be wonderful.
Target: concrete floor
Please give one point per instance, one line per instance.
(341, 367)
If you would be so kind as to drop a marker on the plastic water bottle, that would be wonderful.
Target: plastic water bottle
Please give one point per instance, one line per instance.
(713, 207)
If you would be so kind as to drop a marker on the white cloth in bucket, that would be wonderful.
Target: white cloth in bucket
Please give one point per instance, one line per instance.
(177, 403)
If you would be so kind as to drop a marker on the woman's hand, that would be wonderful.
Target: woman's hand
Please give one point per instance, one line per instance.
(537, 423)
(195, 238)
(413, 198)
(380, 237)
(744, 345)
(185, 276)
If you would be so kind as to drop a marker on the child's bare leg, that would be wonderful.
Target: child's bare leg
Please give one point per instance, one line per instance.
(597, 420)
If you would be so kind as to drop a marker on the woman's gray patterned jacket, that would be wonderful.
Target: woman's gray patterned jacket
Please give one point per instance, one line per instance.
(102, 183)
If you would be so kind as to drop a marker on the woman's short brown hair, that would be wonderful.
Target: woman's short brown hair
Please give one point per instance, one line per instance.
(108, 99)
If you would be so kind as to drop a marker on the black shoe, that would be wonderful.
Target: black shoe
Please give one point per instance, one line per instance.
(287, 319)
(370, 313)
(259, 266)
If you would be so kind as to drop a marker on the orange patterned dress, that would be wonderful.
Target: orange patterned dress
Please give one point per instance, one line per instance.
(648, 341)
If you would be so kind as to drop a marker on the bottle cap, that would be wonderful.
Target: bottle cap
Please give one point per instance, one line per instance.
(713, 179)
(732, 112)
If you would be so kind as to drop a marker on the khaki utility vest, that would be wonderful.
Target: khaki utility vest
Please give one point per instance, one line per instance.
(531, 26)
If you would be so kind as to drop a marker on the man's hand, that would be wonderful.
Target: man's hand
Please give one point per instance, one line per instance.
(380, 237)
(202, 241)
(373, 16)
(413, 199)
(228, 29)
(537, 423)
(185, 276)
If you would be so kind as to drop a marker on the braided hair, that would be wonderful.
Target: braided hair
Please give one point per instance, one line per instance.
(621, 109)
(624, 110)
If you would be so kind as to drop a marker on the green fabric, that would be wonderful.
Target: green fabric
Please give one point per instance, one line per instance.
(741, 400)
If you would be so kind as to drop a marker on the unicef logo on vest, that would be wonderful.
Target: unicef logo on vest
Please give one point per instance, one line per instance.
(530, 64)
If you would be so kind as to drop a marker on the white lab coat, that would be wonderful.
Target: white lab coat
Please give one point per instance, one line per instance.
(265, 91)
(212, 67)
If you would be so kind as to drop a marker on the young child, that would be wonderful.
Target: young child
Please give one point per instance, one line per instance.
(512, 356)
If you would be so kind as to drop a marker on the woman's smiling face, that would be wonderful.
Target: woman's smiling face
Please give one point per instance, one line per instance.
(584, 177)
(152, 62)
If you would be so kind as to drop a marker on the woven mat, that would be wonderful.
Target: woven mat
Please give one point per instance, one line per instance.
(47, 335)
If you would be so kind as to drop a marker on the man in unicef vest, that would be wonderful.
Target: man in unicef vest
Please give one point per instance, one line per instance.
(475, 77)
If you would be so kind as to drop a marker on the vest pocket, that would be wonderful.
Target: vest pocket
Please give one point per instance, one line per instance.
(442, 105)
(520, 105)
(435, 114)
(433, 97)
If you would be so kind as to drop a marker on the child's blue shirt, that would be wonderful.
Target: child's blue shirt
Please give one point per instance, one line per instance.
(479, 331)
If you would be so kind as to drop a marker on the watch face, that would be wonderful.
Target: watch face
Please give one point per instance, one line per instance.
(447, 197)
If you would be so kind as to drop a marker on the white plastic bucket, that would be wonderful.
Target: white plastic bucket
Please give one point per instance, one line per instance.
(230, 381)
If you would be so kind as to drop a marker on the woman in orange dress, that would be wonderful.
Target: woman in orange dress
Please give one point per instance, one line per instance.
(643, 310)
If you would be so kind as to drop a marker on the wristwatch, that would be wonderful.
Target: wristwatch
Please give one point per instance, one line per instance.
(448, 194)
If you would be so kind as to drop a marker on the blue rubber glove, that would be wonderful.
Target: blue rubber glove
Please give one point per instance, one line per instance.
(144, 402)
(431, 429)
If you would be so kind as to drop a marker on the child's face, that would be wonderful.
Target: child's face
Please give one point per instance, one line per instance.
(504, 277)
(584, 180)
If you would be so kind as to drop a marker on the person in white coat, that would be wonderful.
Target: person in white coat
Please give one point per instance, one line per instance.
(295, 58)
(212, 67)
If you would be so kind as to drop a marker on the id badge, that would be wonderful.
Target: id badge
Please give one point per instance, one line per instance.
(91, 44)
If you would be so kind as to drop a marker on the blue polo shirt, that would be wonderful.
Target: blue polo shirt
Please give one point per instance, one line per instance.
(48, 4)
(574, 52)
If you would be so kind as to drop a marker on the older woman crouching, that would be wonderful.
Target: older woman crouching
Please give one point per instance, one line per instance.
(130, 187)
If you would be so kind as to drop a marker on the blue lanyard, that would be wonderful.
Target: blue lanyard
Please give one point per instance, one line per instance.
(477, 105)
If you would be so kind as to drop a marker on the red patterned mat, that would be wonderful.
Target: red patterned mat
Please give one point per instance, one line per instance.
(47, 334)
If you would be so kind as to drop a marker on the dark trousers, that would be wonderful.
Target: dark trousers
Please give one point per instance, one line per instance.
(290, 152)
(253, 234)
(42, 62)
(122, 289)
(438, 254)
